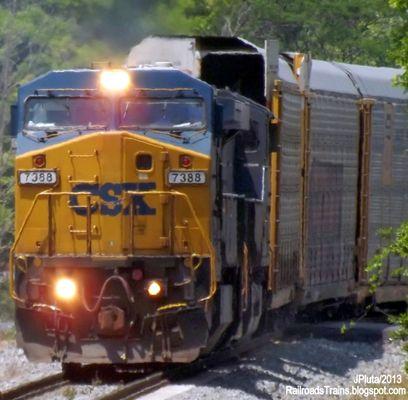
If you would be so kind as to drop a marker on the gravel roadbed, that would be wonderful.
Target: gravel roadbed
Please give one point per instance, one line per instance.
(265, 374)
(306, 363)
(15, 369)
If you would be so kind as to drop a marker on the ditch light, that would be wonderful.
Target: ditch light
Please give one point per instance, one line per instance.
(65, 289)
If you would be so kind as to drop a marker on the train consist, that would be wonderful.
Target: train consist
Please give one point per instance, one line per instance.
(163, 209)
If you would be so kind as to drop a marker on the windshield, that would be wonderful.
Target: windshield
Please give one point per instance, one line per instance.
(51, 113)
(163, 114)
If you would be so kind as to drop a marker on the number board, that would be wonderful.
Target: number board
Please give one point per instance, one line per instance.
(43, 177)
(186, 177)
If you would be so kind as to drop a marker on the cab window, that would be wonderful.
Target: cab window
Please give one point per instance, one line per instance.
(48, 113)
(163, 114)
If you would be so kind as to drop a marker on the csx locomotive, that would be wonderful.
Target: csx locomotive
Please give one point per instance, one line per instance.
(163, 209)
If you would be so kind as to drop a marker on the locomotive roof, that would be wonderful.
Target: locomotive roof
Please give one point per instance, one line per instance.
(150, 78)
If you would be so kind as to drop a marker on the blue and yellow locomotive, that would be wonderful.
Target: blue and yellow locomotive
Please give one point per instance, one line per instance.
(162, 209)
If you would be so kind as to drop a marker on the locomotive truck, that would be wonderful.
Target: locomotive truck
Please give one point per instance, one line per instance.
(163, 209)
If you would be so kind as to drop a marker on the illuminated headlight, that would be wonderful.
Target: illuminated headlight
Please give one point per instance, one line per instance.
(65, 289)
(155, 288)
(114, 80)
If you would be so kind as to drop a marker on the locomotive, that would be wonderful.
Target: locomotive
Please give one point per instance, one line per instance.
(165, 208)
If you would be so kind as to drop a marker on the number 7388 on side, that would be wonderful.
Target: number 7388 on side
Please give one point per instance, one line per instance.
(186, 177)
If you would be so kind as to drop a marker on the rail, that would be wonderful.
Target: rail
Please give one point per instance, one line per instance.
(29, 390)
(88, 232)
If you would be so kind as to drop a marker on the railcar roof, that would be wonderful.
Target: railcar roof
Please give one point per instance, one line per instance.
(375, 81)
(350, 79)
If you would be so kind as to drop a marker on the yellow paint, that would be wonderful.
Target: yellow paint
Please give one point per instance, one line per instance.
(110, 158)
(276, 102)
(298, 60)
(274, 197)
(273, 216)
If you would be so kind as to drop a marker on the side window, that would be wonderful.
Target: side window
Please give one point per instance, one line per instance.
(251, 138)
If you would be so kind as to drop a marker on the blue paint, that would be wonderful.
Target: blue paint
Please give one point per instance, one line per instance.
(140, 206)
(84, 187)
(110, 194)
(147, 78)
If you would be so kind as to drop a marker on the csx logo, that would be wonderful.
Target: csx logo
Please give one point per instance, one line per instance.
(111, 195)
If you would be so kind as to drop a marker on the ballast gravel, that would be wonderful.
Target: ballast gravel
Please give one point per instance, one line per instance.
(15, 369)
(306, 362)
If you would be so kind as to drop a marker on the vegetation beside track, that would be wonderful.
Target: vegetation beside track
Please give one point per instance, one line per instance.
(6, 305)
(397, 246)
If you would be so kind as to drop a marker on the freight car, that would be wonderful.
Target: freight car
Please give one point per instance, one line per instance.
(164, 208)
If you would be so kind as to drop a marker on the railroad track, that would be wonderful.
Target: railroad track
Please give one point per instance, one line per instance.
(156, 380)
(139, 386)
(31, 389)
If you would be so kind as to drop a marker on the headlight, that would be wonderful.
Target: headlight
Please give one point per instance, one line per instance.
(115, 80)
(154, 288)
(65, 289)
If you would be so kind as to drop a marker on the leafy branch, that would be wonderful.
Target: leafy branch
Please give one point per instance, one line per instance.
(397, 246)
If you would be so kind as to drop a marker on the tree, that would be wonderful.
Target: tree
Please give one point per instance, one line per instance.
(33, 42)
(397, 246)
(355, 31)
(400, 37)
(6, 205)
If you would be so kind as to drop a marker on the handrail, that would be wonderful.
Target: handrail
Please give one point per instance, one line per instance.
(210, 248)
(48, 193)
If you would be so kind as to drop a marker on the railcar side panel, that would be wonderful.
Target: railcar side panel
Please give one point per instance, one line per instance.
(331, 196)
(388, 177)
(289, 191)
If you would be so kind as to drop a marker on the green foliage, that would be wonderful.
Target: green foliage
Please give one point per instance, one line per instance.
(69, 393)
(6, 226)
(346, 328)
(402, 332)
(397, 246)
(8, 334)
(6, 203)
(35, 42)
(343, 30)
(400, 37)
(36, 36)
(6, 304)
